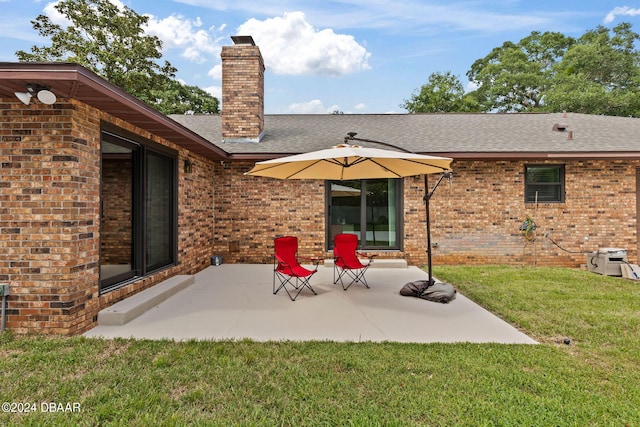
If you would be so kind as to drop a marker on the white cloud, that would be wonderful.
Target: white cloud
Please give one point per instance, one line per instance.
(177, 32)
(215, 91)
(216, 72)
(311, 107)
(54, 15)
(290, 45)
(360, 106)
(624, 11)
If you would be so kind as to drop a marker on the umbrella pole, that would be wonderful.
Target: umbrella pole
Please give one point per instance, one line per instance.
(427, 197)
(351, 136)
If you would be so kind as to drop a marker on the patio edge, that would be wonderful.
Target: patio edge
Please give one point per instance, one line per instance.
(132, 307)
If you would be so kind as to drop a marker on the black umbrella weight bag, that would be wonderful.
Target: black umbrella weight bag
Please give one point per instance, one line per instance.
(437, 292)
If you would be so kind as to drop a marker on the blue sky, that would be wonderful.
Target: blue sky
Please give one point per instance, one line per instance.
(355, 56)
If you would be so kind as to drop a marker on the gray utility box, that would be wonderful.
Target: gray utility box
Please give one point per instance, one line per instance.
(607, 261)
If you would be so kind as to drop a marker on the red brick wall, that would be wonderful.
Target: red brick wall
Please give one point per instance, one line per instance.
(115, 223)
(251, 211)
(477, 219)
(49, 216)
(474, 220)
(243, 92)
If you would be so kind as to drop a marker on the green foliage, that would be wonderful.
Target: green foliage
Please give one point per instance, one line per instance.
(111, 42)
(178, 98)
(598, 73)
(443, 93)
(105, 39)
(515, 77)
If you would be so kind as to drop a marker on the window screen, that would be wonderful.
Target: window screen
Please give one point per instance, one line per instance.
(544, 183)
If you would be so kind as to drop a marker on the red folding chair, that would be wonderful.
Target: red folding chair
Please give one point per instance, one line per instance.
(287, 268)
(346, 261)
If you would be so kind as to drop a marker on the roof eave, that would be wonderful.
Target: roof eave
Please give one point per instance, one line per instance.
(564, 155)
(471, 155)
(68, 80)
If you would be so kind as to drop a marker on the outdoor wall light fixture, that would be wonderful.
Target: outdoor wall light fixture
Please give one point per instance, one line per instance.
(43, 94)
(187, 166)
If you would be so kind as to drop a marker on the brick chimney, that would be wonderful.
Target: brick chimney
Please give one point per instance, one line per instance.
(242, 91)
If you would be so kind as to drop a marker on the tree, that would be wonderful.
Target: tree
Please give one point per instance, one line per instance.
(443, 93)
(111, 42)
(599, 74)
(178, 98)
(515, 77)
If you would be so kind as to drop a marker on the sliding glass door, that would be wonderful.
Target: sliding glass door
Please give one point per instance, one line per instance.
(117, 226)
(159, 216)
(368, 208)
(138, 209)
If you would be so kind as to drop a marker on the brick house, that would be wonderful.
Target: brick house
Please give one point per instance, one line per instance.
(102, 196)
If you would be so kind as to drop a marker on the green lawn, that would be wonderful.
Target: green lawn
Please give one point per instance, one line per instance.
(593, 381)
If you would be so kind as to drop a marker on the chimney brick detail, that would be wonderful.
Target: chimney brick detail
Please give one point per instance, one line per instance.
(242, 93)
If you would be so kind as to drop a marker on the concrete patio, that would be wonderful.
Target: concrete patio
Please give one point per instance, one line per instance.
(235, 301)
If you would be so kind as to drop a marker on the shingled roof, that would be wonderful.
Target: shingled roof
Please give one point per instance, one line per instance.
(456, 135)
(521, 135)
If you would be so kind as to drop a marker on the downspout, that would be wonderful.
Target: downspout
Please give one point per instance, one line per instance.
(4, 290)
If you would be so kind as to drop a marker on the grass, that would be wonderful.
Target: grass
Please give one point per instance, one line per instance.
(593, 381)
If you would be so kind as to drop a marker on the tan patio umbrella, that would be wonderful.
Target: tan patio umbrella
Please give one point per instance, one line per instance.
(345, 162)
(348, 162)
